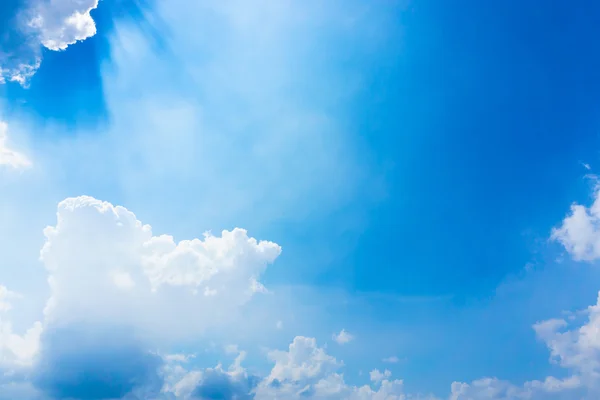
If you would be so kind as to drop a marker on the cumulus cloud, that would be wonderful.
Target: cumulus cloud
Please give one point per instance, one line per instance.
(27, 26)
(8, 156)
(304, 371)
(104, 263)
(61, 23)
(343, 337)
(378, 376)
(578, 348)
(115, 287)
(98, 325)
(579, 232)
(575, 347)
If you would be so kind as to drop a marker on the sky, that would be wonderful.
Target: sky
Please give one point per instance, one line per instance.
(329, 200)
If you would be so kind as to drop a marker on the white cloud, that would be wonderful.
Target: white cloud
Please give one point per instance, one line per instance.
(5, 297)
(110, 277)
(106, 267)
(579, 232)
(156, 280)
(20, 72)
(343, 337)
(378, 376)
(574, 347)
(54, 24)
(577, 349)
(8, 156)
(391, 360)
(496, 389)
(18, 350)
(61, 23)
(114, 282)
(306, 371)
(303, 361)
(122, 280)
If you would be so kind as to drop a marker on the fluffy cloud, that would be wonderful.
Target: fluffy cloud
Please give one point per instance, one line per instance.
(61, 23)
(8, 156)
(17, 351)
(579, 232)
(115, 286)
(577, 349)
(105, 264)
(304, 371)
(27, 26)
(343, 337)
(210, 383)
(573, 346)
(378, 376)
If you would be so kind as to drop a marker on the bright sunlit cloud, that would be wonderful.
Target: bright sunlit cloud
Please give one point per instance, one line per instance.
(31, 25)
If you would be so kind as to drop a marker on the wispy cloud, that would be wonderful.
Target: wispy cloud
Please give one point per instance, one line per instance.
(343, 337)
(8, 156)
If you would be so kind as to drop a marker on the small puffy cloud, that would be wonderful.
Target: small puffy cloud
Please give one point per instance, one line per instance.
(343, 337)
(391, 360)
(579, 232)
(304, 361)
(19, 72)
(8, 156)
(306, 371)
(577, 348)
(209, 383)
(378, 376)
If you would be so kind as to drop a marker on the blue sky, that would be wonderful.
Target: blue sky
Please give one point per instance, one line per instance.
(419, 178)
